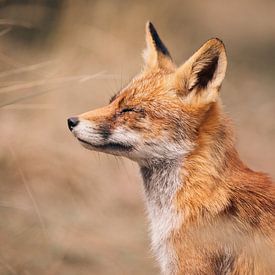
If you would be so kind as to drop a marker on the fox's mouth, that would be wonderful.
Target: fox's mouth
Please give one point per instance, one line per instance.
(109, 146)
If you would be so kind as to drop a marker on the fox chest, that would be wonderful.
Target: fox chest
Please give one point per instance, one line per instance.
(161, 187)
(162, 224)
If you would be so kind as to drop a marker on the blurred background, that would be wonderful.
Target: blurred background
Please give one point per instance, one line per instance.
(67, 210)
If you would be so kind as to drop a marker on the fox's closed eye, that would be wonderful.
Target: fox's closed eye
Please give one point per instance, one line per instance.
(127, 110)
(132, 109)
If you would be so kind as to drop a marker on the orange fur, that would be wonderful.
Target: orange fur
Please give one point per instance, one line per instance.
(210, 214)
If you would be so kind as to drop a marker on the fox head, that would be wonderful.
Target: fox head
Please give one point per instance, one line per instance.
(158, 115)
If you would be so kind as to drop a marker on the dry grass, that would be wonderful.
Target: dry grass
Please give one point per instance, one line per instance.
(65, 210)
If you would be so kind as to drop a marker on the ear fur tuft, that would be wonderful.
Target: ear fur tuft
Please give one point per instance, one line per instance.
(204, 71)
(208, 65)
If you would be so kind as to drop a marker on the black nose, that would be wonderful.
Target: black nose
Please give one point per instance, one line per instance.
(72, 122)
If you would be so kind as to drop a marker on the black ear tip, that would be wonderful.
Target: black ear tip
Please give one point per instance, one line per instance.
(150, 27)
(148, 23)
(219, 40)
(158, 44)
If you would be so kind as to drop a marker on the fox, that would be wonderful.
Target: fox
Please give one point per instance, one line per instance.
(208, 212)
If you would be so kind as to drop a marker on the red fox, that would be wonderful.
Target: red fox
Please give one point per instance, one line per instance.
(209, 213)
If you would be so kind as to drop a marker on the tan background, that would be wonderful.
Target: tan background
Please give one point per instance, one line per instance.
(66, 210)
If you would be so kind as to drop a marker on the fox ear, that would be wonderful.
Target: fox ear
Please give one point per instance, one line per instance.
(202, 74)
(156, 54)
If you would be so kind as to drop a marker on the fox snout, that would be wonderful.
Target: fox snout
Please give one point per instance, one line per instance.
(98, 133)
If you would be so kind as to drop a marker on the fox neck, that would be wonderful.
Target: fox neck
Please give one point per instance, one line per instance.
(161, 181)
(177, 190)
(211, 161)
(209, 171)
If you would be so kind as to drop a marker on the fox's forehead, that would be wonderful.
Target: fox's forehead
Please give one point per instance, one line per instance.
(147, 86)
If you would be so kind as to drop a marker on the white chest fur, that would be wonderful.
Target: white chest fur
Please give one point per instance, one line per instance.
(161, 184)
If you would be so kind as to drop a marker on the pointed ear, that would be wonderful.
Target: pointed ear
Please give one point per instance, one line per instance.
(156, 54)
(203, 73)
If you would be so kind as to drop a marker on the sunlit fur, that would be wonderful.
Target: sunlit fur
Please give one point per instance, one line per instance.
(208, 212)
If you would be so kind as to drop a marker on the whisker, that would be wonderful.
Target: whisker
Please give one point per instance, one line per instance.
(117, 162)
(125, 170)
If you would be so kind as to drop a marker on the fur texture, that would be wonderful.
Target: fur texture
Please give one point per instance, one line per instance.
(209, 213)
